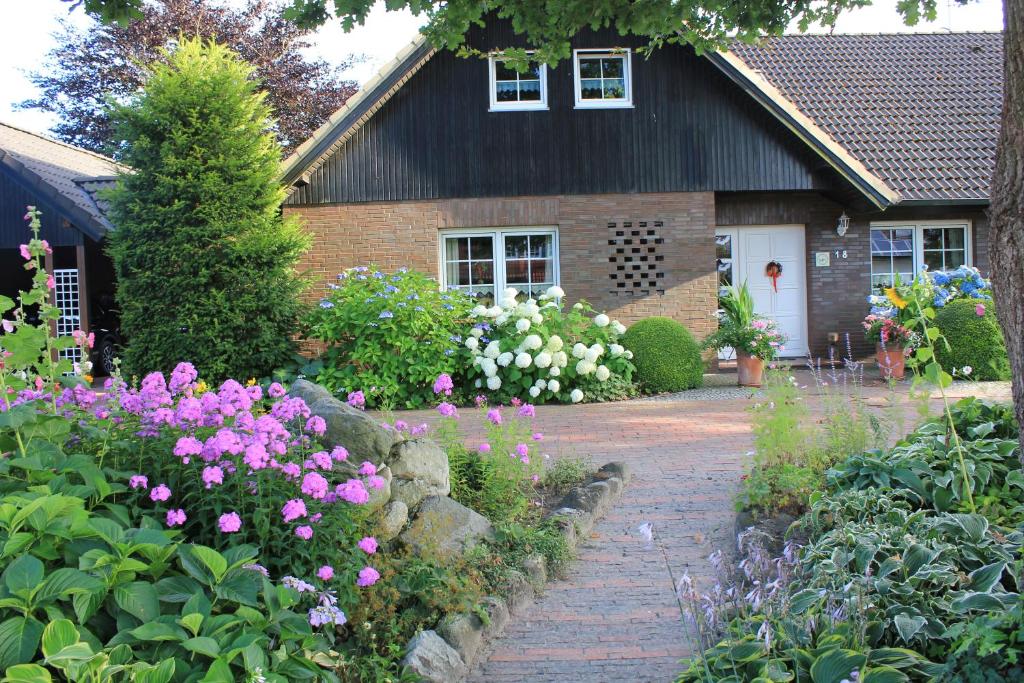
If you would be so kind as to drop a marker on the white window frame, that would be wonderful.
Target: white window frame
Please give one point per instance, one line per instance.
(498, 236)
(918, 247)
(492, 79)
(623, 103)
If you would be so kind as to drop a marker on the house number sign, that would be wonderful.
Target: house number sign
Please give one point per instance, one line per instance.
(840, 253)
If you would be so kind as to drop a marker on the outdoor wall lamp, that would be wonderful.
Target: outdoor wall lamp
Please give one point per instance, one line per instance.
(843, 225)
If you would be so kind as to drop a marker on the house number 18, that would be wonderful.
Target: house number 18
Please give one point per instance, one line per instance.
(840, 254)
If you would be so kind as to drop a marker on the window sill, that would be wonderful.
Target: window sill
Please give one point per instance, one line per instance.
(492, 108)
(604, 105)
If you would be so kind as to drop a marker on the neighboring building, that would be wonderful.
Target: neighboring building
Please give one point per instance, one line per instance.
(61, 181)
(639, 183)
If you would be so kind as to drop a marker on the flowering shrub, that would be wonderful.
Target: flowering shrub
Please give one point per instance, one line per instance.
(890, 333)
(392, 333)
(930, 289)
(742, 330)
(534, 349)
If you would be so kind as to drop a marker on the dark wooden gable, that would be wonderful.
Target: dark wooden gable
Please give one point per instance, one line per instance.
(691, 129)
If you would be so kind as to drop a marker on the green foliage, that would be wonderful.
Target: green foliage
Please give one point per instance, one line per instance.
(394, 332)
(974, 341)
(566, 474)
(205, 263)
(665, 354)
(741, 330)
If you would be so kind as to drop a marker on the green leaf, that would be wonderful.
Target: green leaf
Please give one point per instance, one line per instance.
(985, 602)
(58, 635)
(836, 665)
(192, 622)
(27, 673)
(138, 599)
(19, 640)
(158, 631)
(242, 587)
(985, 578)
(178, 588)
(64, 582)
(17, 543)
(803, 600)
(203, 645)
(883, 674)
(746, 652)
(908, 626)
(219, 672)
(23, 575)
(195, 558)
(76, 652)
(161, 673)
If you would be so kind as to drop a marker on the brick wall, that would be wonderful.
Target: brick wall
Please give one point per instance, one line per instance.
(678, 227)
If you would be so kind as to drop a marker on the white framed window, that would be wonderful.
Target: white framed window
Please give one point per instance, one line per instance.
(513, 90)
(603, 78)
(486, 261)
(904, 248)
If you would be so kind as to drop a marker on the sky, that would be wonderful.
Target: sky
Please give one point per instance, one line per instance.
(27, 30)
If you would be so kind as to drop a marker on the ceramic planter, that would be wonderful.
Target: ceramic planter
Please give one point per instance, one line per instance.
(891, 361)
(749, 370)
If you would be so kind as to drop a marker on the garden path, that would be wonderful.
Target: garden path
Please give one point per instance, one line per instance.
(614, 617)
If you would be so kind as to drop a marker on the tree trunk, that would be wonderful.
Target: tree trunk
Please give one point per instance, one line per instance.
(1007, 207)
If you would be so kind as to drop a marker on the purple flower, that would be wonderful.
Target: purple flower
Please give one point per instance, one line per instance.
(229, 522)
(275, 390)
(448, 410)
(213, 475)
(443, 384)
(316, 425)
(522, 449)
(376, 482)
(182, 377)
(298, 584)
(326, 614)
(480, 401)
(138, 481)
(367, 469)
(304, 532)
(322, 459)
(484, 448)
(293, 509)
(188, 445)
(256, 456)
(494, 415)
(357, 399)
(537, 436)
(352, 491)
(419, 430)
(325, 573)
(314, 485)
(339, 453)
(259, 568)
(367, 577)
(526, 410)
(368, 545)
(401, 425)
(160, 493)
(384, 315)
(176, 517)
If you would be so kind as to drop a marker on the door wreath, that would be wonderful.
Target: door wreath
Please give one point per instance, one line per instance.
(774, 271)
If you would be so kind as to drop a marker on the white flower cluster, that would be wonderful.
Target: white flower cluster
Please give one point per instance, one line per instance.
(523, 336)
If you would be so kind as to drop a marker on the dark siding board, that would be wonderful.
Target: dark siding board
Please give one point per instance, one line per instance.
(14, 198)
(691, 129)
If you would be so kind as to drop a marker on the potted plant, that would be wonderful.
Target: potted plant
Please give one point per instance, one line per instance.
(890, 322)
(754, 339)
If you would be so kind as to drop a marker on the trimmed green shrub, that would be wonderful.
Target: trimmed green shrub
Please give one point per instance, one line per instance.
(975, 341)
(205, 263)
(666, 356)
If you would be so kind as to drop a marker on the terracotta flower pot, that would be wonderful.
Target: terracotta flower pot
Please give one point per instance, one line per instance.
(749, 370)
(891, 361)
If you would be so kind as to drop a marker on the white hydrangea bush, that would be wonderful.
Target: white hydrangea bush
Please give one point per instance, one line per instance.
(535, 350)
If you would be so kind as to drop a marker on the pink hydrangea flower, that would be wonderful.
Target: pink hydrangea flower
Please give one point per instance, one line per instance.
(979, 310)
(367, 577)
(314, 485)
(229, 522)
(368, 545)
(138, 481)
(367, 468)
(304, 532)
(293, 509)
(176, 517)
(325, 573)
(160, 493)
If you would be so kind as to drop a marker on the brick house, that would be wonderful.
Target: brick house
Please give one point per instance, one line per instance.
(641, 183)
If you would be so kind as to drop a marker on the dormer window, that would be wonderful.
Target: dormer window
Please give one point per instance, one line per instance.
(513, 90)
(603, 79)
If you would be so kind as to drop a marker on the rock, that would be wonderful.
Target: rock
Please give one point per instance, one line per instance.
(378, 497)
(355, 430)
(615, 486)
(518, 592)
(536, 570)
(421, 460)
(592, 498)
(410, 492)
(497, 616)
(308, 391)
(445, 528)
(465, 633)
(575, 524)
(392, 520)
(615, 469)
(432, 659)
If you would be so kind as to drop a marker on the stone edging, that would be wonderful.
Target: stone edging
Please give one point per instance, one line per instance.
(447, 654)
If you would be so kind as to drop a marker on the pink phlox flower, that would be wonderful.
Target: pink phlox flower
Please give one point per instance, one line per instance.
(515, 402)
(304, 532)
(153, 391)
(367, 577)
(187, 446)
(189, 410)
(484, 448)
(314, 485)
(526, 410)
(291, 470)
(293, 509)
(182, 377)
(522, 449)
(525, 459)
(176, 517)
(443, 384)
(160, 493)
(376, 482)
(322, 460)
(325, 573)
(494, 415)
(275, 390)
(255, 392)
(288, 409)
(419, 430)
(339, 453)
(537, 436)
(138, 481)
(213, 475)
(367, 468)
(229, 522)
(244, 421)
(352, 491)
(356, 399)
(480, 400)
(317, 425)
(368, 545)
(535, 478)
(447, 409)
(316, 518)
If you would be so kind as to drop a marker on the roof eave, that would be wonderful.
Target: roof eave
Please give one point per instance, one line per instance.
(768, 96)
(79, 218)
(956, 201)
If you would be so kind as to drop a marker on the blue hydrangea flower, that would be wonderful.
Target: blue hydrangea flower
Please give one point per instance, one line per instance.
(324, 303)
(455, 338)
(360, 277)
(390, 288)
(448, 352)
(378, 275)
(940, 278)
(418, 308)
(448, 307)
(384, 315)
(402, 304)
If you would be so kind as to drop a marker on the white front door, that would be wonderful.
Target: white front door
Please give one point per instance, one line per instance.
(784, 301)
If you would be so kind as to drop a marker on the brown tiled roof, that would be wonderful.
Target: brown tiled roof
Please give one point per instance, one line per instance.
(73, 175)
(919, 110)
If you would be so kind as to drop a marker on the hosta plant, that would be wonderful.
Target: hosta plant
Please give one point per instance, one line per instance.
(539, 351)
